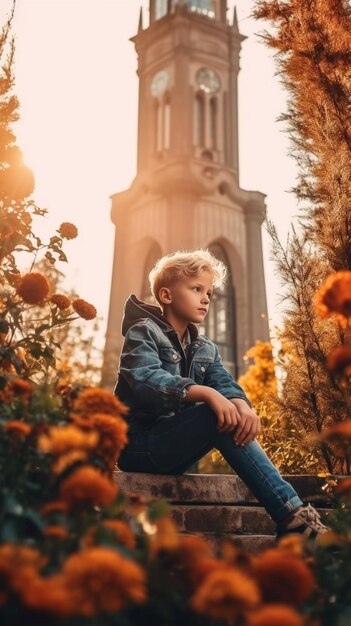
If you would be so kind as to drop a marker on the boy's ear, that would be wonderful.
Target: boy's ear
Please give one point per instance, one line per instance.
(165, 295)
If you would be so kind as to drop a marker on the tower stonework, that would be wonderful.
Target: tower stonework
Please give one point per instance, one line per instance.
(186, 192)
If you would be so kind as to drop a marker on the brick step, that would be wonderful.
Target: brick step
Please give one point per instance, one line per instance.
(213, 488)
(250, 543)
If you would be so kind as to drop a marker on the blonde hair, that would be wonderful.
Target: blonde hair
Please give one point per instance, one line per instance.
(174, 266)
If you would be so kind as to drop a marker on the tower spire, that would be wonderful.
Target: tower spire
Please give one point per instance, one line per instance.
(235, 24)
(140, 25)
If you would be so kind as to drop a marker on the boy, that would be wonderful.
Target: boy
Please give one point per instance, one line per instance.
(182, 400)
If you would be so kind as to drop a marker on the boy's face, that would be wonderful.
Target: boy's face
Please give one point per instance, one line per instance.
(189, 298)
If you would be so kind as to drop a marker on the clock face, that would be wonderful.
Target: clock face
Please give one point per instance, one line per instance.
(208, 80)
(160, 83)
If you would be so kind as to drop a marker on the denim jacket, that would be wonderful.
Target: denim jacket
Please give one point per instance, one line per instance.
(154, 371)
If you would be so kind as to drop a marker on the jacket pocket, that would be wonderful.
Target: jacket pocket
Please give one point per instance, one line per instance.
(170, 359)
(200, 368)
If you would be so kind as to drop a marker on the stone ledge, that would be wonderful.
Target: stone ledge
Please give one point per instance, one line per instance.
(213, 488)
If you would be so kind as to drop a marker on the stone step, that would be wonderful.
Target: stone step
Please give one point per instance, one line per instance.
(213, 488)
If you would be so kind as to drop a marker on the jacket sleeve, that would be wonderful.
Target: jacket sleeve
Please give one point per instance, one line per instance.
(222, 381)
(141, 367)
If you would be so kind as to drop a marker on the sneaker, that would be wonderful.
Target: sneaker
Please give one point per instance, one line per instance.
(305, 521)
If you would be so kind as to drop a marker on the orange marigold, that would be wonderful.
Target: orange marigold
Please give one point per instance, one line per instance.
(47, 595)
(334, 296)
(20, 387)
(117, 528)
(67, 460)
(33, 288)
(343, 488)
(340, 429)
(17, 562)
(84, 309)
(62, 439)
(61, 301)
(88, 487)
(282, 579)
(98, 400)
(17, 427)
(275, 615)
(225, 594)
(56, 532)
(68, 230)
(113, 437)
(339, 360)
(101, 580)
(56, 506)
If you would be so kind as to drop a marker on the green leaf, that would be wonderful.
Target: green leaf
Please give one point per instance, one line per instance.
(157, 510)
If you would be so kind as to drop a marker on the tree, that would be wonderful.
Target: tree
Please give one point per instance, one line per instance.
(313, 43)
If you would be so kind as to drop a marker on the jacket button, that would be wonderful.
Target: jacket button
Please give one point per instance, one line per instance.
(202, 369)
(174, 356)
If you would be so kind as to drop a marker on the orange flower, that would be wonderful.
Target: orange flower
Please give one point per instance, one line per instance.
(16, 563)
(113, 437)
(61, 301)
(17, 427)
(101, 580)
(339, 360)
(56, 506)
(88, 487)
(62, 439)
(84, 309)
(276, 615)
(48, 595)
(66, 460)
(20, 387)
(166, 536)
(292, 543)
(334, 296)
(33, 288)
(68, 230)
(98, 400)
(340, 429)
(120, 531)
(282, 579)
(225, 594)
(56, 532)
(343, 489)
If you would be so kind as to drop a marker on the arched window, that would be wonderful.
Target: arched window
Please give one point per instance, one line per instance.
(205, 7)
(213, 123)
(158, 125)
(161, 8)
(167, 123)
(154, 253)
(199, 120)
(220, 324)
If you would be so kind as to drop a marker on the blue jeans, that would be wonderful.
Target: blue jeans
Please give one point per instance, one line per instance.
(170, 445)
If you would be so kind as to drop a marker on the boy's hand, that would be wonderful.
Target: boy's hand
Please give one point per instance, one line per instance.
(228, 416)
(248, 425)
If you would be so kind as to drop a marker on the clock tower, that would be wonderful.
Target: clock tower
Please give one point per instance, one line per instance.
(186, 191)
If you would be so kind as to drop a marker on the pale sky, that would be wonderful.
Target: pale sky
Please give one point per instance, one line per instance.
(77, 85)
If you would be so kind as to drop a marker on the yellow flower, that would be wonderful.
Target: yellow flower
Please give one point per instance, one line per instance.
(87, 487)
(61, 301)
(68, 230)
(334, 296)
(98, 400)
(101, 580)
(62, 439)
(33, 288)
(84, 309)
(225, 594)
(282, 579)
(66, 460)
(275, 615)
